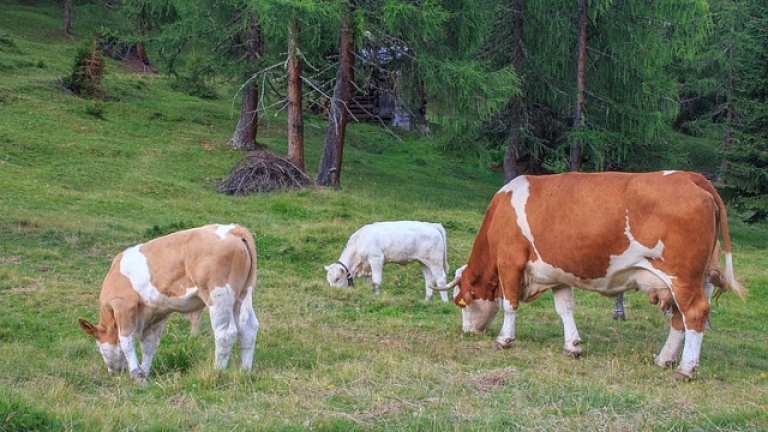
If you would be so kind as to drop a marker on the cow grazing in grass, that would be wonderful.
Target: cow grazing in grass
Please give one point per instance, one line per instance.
(401, 242)
(604, 232)
(213, 265)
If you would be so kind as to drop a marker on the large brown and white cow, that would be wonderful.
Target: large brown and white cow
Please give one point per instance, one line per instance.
(604, 232)
(401, 242)
(213, 265)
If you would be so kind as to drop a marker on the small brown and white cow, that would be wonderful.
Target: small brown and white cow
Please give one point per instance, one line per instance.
(604, 232)
(213, 265)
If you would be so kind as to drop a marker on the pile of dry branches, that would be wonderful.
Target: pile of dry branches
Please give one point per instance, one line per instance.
(263, 172)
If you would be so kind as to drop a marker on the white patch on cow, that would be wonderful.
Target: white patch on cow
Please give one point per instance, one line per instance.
(134, 266)
(690, 361)
(638, 256)
(668, 172)
(519, 188)
(223, 230)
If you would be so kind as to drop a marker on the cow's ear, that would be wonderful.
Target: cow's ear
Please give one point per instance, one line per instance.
(327, 268)
(87, 327)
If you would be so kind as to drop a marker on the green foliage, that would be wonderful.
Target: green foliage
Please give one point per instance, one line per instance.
(87, 72)
(747, 178)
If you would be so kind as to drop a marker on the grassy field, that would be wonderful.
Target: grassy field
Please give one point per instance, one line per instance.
(82, 180)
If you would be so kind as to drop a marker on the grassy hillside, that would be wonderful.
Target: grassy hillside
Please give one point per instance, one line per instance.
(82, 180)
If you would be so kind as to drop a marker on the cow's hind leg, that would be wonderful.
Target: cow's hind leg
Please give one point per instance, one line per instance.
(564, 305)
(437, 277)
(689, 315)
(618, 311)
(223, 323)
(248, 329)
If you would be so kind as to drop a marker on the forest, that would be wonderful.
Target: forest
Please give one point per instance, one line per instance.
(125, 120)
(530, 87)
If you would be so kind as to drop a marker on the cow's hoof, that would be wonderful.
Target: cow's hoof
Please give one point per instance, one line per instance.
(619, 316)
(679, 376)
(575, 353)
(138, 375)
(665, 363)
(573, 349)
(502, 344)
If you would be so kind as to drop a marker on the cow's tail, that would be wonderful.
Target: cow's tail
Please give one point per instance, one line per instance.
(731, 284)
(445, 247)
(250, 246)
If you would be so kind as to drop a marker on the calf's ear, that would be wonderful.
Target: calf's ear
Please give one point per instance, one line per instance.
(87, 327)
(327, 268)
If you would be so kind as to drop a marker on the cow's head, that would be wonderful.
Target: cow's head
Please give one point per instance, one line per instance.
(479, 305)
(108, 345)
(338, 275)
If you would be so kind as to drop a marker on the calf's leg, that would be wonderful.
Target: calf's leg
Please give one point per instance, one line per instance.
(377, 269)
(223, 323)
(248, 329)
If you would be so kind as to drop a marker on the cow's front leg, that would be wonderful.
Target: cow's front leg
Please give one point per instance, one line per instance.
(507, 333)
(149, 343)
(564, 305)
(377, 269)
(223, 323)
(128, 347)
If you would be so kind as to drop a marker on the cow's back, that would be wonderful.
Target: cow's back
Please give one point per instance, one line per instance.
(200, 258)
(579, 223)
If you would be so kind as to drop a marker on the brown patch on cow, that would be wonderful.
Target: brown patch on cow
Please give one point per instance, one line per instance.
(580, 224)
(486, 381)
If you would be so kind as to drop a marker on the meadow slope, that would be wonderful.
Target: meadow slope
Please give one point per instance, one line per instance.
(82, 180)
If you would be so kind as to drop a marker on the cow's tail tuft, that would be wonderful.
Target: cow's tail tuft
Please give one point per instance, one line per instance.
(731, 284)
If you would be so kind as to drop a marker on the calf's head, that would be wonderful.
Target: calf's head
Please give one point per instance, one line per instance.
(338, 275)
(108, 345)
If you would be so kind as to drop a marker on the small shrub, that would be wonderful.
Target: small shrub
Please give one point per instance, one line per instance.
(95, 109)
(87, 72)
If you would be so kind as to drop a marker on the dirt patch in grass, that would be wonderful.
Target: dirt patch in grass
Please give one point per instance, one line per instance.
(487, 381)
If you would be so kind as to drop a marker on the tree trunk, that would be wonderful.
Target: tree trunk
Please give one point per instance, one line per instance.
(244, 137)
(516, 107)
(295, 101)
(329, 172)
(581, 70)
(67, 26)
(141, 53)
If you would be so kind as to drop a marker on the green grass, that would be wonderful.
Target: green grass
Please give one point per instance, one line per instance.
(77, 188)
